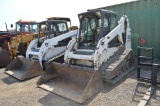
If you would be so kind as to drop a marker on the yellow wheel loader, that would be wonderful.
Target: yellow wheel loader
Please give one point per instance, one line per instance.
(14, 43)
(43, 49)
(100, 52)
(26, 32)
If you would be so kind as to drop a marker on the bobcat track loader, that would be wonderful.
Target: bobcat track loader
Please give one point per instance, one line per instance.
(43, 49)
(101, 52)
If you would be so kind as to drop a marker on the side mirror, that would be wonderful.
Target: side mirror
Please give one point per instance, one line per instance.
(11, 25)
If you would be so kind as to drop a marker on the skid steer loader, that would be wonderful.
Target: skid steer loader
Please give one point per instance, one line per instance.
(43, 49)
(100, 52)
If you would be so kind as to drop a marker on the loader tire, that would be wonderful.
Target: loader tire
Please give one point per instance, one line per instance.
(22, 49)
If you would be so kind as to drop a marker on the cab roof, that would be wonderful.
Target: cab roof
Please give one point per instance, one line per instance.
(56, 21)
(97, 10)
(25, 21)
(59, 18)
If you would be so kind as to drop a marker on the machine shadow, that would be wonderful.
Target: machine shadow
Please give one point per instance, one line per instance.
(52, 99)
(140, 91)
(10, 80)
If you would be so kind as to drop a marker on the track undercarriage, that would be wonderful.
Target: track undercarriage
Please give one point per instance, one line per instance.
(117, 66)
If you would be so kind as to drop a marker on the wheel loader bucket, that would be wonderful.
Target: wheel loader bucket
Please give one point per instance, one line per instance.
(4, 57)
(23, 69)
(73, 82)
(5, 45)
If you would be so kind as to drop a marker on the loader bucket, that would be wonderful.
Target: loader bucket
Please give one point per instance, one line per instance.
(4, 58)
(5, 45)
(73, 82)
(23, 69)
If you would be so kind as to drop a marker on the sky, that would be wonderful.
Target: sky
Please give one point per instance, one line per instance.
(12, 11)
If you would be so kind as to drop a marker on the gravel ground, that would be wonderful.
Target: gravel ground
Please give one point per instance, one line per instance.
(127, 92)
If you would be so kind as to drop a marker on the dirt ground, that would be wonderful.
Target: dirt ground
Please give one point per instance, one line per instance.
(127, 92)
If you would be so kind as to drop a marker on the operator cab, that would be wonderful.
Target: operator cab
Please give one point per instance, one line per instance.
(51, 29)
(26, 27)
(95, 24)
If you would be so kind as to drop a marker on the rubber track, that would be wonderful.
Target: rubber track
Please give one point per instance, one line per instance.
(117, 66)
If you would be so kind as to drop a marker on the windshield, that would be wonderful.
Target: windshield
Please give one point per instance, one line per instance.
(25, 28)
(43, 27)
(90, 28)
(33, 28)
(48, 29)
(51, 29)
(42, 31)
(18, 27)
(62, 27)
